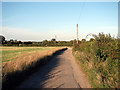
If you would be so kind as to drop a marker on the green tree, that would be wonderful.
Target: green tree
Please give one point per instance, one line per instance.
(2, 39)
(83, 40)
(45, 43)
(91, 39)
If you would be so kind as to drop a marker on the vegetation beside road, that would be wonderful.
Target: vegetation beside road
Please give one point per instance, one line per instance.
(19, 62)
(99, 60)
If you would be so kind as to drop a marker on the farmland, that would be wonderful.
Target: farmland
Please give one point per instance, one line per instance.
(22, 58)
(14, 57)
(14, 53)
(98, 58)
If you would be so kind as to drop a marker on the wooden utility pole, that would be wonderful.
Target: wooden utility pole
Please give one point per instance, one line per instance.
(77, 33)
(73, 40)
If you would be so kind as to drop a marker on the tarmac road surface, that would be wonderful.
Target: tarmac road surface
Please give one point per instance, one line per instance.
(61, 72)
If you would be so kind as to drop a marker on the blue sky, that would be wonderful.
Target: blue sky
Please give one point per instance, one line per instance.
(38, 21)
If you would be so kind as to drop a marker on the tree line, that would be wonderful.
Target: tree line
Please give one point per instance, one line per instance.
(46, 43)
(51, 42)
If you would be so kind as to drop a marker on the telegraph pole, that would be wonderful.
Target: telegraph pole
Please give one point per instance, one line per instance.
(77, 33)
(73, 40)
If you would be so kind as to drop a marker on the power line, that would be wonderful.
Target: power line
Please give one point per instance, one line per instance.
(81, 11)
(82, 6)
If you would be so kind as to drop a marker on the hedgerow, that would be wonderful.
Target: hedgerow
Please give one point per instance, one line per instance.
(99, 58)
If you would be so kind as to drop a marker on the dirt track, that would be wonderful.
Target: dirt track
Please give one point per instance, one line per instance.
(61, 72)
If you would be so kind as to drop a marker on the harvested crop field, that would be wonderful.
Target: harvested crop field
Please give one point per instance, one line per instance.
(20, 58)
(14, 53)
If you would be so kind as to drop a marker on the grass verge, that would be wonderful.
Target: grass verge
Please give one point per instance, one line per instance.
(94, 78)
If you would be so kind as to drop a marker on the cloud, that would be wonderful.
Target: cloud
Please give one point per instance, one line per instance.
(22, 34)
(39, 35)
(33, 35)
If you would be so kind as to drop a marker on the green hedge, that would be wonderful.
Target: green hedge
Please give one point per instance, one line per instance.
(100, 58)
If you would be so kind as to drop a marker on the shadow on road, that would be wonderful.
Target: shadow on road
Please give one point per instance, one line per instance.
(43, 66)
(40, 78)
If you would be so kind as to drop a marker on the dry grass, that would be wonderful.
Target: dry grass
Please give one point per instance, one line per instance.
(12, 53)
(25, 59)
(28, 61)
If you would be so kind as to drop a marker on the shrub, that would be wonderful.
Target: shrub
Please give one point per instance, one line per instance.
(103, 56)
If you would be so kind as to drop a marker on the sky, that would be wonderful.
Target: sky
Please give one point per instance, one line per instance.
(37, 21)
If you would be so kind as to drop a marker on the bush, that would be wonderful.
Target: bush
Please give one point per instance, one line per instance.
(103, 56)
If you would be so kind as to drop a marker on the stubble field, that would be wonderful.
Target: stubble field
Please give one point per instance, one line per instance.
(21, 58)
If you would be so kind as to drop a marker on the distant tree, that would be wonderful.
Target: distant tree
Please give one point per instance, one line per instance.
(83, 40)
(11, 40)
(53, 39)
(91, 39)
(71, 42)
(44, 43)
(2, 39)
(15, 40)
(53, 42)
(49, 43)
(29, 42)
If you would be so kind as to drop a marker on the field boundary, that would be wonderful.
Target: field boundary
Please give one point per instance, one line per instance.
(12, 80)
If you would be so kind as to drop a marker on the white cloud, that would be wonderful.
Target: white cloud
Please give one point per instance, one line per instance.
(22, 34)
(33, 35)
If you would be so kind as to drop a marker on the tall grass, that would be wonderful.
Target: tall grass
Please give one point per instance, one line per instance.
(99, 59)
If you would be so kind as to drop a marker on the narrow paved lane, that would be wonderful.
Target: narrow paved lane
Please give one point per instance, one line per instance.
(61, 72)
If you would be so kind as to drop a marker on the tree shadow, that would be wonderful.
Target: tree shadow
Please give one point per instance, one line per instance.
(40, 78)
(43, 66)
